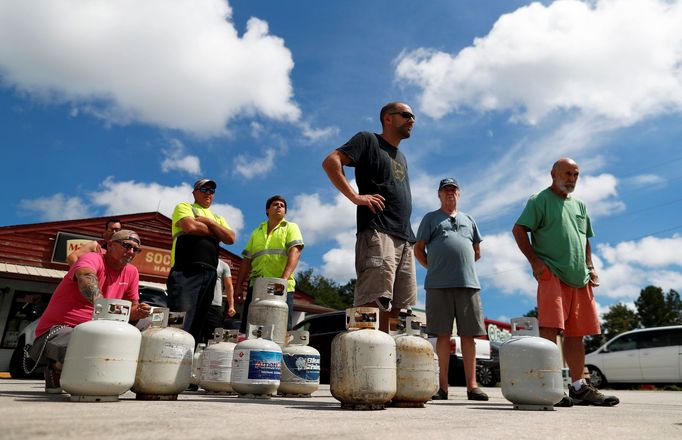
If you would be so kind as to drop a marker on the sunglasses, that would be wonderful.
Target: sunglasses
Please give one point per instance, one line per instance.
(406, 115)
(128, 247)
(205, 190)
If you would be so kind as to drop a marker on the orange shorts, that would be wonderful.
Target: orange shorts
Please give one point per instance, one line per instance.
(570, 309)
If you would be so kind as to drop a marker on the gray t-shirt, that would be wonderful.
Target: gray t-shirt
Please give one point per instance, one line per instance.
(450, 249)
(223, 271)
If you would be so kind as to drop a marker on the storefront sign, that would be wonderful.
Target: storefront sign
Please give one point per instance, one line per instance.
(153, 261)
(66, 242)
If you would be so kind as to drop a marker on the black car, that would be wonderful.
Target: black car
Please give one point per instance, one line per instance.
(324, 327)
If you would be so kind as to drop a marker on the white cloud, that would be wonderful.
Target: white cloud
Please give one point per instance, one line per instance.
(624, 269)
(56, 207)
(599, 193)
(250, 166)
(177, 160)
(649, 252)
(130, 197)
(595, 57)
(503, 265)
(179, 65)
(335, 222)
(647, 180)
(339, 263)
(317, 134)
(322, 221)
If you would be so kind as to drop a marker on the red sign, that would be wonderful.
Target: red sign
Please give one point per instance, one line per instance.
(153, 261)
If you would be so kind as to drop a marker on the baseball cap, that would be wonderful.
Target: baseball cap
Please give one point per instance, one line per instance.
(202, 182)
(448, 181)
(126, 234)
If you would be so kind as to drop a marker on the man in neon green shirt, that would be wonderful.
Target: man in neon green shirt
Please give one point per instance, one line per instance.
(273, 251)
(197, 234)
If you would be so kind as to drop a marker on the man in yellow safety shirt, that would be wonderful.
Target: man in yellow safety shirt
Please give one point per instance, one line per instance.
(273, 251)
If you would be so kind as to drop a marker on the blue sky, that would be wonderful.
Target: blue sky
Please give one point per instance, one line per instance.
(112, 107)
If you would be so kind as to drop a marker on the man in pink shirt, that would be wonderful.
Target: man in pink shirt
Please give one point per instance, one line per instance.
(93, 276)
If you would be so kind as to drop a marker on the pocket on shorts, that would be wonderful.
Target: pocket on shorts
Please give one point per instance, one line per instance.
(370, 252)
(546, 275)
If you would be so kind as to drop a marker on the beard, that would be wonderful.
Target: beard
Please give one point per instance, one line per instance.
(565, 187)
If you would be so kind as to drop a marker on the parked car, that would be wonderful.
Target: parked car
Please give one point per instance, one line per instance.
(650, 355)
(16, 362)
(324, 327)
(151, 295)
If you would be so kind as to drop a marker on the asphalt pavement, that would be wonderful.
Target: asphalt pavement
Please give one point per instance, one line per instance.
(26, 412)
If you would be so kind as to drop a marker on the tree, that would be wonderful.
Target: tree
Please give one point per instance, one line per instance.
(532, 313)
(326, 292)
(620, 318)
(655, 309)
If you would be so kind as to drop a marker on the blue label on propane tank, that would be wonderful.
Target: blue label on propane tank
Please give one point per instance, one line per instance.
(303, 366)
(265, 365)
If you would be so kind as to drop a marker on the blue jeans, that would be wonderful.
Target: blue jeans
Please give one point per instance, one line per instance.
(191, 291)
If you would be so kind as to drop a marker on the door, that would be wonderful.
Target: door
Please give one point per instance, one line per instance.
(659, 355)
(621, 360)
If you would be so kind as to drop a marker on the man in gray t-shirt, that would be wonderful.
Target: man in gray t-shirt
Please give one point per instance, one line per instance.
(452, 288)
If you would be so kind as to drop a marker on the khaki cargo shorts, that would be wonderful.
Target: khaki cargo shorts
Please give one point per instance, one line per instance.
(385, 268)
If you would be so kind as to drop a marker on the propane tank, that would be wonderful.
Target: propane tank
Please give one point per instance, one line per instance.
(300, 366)
(101, 359)
(530, 368)
(216, 362)
(414, 366)
(164, 367)
(269, 307)
(256, 365)
(196, 366)
(363, 368)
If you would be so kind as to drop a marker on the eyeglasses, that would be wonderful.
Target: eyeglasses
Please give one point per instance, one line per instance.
(406, 115)
(205, 190)
(128, 247)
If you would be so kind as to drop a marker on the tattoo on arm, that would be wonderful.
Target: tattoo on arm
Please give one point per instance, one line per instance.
(89, 286)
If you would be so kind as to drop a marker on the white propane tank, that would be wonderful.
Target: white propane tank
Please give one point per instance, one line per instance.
(216, 362)
(256, 365)
(196, 365)
(164, 367)
(530, 368)
(101, 359)
(300, 366)
(269, 307)
(363, 369)
(414, 367)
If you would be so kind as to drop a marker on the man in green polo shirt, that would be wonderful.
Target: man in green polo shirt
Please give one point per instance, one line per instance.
(560, 256)
(273, 251)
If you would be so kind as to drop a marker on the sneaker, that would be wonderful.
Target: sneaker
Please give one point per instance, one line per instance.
(477, 394)
(588, 395)
(440, 395)
(565, 402)
(384, 304)
(52, 376)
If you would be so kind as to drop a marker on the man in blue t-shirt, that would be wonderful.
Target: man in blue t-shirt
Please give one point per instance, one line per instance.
(452, 241)
(384, 259)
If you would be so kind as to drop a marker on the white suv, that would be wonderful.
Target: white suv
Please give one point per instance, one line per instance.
(649, 355)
